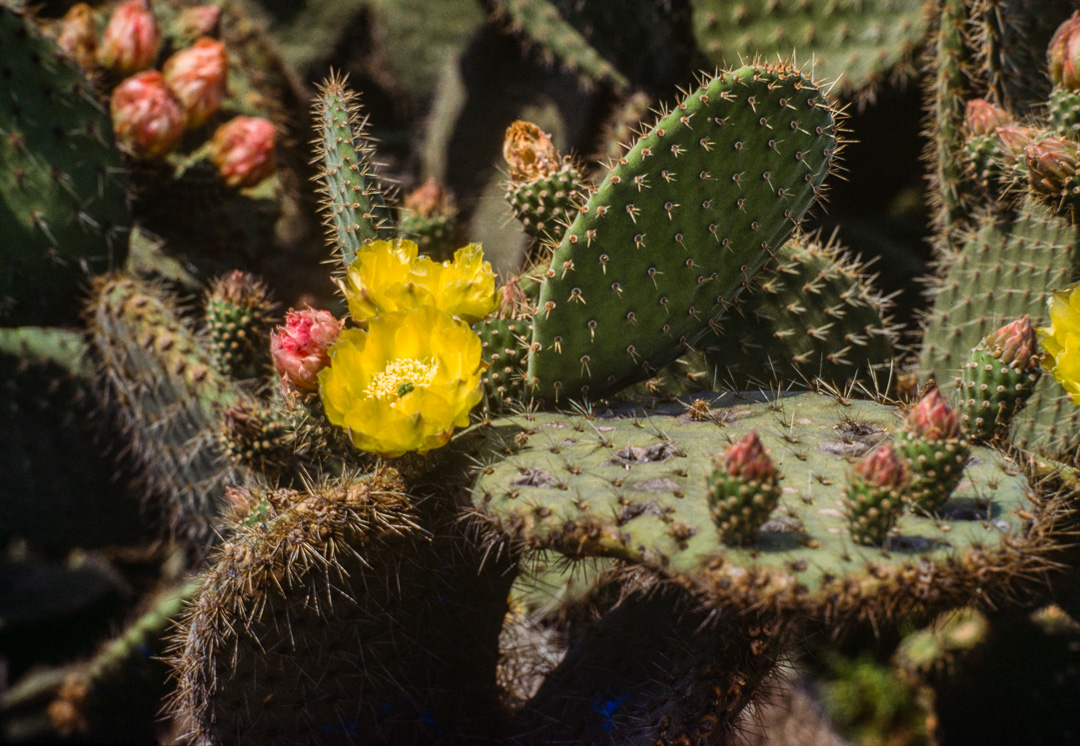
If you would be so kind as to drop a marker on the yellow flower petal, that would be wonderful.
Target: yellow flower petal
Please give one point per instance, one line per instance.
(1061, 340)
(406, 383)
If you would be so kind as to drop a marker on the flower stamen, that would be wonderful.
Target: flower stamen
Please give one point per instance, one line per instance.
(401, 377)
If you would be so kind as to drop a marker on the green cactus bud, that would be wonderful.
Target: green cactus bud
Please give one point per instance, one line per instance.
(874, 499)
(744, 491)
(237, 317)
(998, 379)
(935, 451)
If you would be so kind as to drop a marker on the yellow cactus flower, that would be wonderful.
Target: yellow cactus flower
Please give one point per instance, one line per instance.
(1061, 340)
(391, 276)
(405, 383)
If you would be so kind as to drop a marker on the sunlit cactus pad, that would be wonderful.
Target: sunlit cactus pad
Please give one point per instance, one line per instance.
(632, 485)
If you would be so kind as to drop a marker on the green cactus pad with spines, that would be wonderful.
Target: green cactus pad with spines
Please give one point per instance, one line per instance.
(860, 43)
(353, 205)
(1002, 272)
(633, 486)
(63, 207)
(237, 320)
(677, 228)
(1064, 110)
(947, 92)
(161, 385)
(545, 207)
(505, 347)
(622, 125)
(814, 315)
(991, 393)
(935, 467)
(34, 345)
(331, 614)
(257, 437)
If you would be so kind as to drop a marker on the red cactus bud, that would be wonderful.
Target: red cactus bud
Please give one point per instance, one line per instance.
(883, 468)
(202, 20)
(300, 347)
(197, 76)
(1015, 344)
(243, 150)
(78, 35)
(529, 152)
(1013, 139)
(131, 39)
(982, 117)
(148, 118)
(1063, 54)
(1051, 164)
(748, 460)
(933, 419)
(428, 199)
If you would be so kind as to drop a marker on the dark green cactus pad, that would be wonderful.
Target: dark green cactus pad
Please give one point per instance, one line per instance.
(63, 208)
(633, 486)
(858, 43)
(331, 615)
(504, 347)
(813, 315)
(677, 228)
(161, 385)
(353, 204)
(1003, 272)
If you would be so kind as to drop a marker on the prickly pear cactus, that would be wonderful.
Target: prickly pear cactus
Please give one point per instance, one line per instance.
(633, 484)
(63, 188)
(686, 218)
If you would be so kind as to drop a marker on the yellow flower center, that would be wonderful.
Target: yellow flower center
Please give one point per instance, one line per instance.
(400, 377)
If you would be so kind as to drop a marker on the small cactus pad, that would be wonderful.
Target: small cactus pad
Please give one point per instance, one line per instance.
(237, 315)
(504, 347)
(633, 485)
(935, 450)
(998, 379)
(676, 229)
(744, 490)
(859, 42)
(63, 209)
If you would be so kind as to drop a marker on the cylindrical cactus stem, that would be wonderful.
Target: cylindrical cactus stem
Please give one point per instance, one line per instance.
(935, 450)
(875, 496)
(745, 490)
(998, 379)
(237, 318)
(543, 187)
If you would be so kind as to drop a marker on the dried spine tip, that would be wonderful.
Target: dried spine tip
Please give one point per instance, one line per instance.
(874, 496)
(744, 490)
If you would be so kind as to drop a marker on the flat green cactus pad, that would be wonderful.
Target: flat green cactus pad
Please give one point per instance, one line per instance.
(857, 42)
(634, 486)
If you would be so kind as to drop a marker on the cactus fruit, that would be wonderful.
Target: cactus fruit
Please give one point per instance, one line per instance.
(148, 118)
(1063, 106)
(237, 316)
(632, 484)
(744, 490)
(375, 596)
(244, 152)
(165, 392)
(63, 187)
(998, 379)
(935, 451)
(131, 39)
(691, 214)
(353, 204)
(813, 314)
(875, 496)
(197, 75)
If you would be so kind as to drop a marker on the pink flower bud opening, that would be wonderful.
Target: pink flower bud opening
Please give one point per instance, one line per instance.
(1013, 139)
(1063, 54)
(243, 150)
(148, 118)
(300, 347)
(1051, 164)
(933, 419)
(748, 460)
(197, 76)
(1015, 344)
(982, 117)
(883, 468)
(130, 42)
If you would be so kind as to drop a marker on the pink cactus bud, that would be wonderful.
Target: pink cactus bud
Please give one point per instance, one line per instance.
(1013, 139)
(933, 419)
(202, 20)
(243, 150)
(748, 460)
(148, 118)
(1015, 344)
(197, 76)
(982, 117)
(1063, 54)
(131, 39)
(1051, 164)
(428, 199)
(883, 468)
(300, 347)
(78, 35)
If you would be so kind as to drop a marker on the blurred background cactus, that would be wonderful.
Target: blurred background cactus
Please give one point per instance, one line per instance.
(663, 372)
